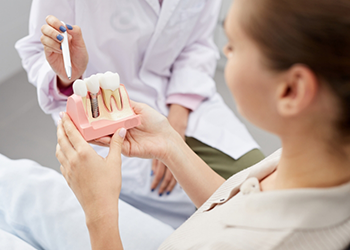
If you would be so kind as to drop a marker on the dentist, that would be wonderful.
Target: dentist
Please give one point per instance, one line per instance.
(165, 55)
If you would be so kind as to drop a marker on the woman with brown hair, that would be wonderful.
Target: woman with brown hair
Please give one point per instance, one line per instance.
(289, 71)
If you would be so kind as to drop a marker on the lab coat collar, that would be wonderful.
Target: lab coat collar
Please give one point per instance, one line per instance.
(154, 5)
(305, 208)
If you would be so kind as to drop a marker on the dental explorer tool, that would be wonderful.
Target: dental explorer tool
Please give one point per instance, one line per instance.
(66, 54)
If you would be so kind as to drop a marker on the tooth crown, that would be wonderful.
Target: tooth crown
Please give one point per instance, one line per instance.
(93, 84)
(79, 88)
(110, 81)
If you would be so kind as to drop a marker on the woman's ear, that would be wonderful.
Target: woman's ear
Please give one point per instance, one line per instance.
(297, 91)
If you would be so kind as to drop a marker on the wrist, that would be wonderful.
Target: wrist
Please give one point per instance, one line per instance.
(99, 211)
(173, 147)
(63, 84)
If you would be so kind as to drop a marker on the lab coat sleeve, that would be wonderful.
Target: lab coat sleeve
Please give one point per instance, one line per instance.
(32, 53)
(194, 68)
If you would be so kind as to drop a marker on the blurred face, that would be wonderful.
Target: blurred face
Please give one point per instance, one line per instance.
(252, 85)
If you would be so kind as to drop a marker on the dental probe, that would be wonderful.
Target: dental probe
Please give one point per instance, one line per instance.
(66, 54)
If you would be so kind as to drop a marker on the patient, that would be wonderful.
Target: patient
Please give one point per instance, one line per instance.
(288, 69)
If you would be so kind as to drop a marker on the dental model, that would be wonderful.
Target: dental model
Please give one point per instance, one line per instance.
(100, 106)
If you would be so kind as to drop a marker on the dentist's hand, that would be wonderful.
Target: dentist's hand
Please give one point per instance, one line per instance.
(52, 39)
(96, 181)
(178, 119)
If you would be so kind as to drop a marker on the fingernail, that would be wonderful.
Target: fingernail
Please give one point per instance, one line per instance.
(122, 132)
(152, 190)
(69, 27)
(167, 193)
(160, 194)
(59, 37)
(59, 122)
(152, 173)
(63, 29)
(61, 114)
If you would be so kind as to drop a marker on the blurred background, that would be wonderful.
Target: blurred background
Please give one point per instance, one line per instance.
(25, 131)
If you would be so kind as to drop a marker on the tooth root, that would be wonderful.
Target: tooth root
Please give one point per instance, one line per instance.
(107, 93)
(117, 99)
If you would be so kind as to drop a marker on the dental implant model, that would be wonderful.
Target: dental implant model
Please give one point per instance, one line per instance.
(100, 106)
(93, 85)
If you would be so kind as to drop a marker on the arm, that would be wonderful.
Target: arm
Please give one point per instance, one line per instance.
(34, 57)
(96, 181)
(194, 68)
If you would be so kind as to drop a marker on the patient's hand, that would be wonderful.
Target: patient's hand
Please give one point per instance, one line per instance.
(151, 139)
(96, 181)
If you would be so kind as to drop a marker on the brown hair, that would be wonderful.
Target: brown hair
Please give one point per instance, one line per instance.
(311, 32)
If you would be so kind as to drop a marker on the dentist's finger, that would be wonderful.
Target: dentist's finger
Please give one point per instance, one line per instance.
(50, 44)
(154, 166)
(75, 33)
(55, 23)
(159, 173)
(168, 177)
(55, 35)
(171, 186)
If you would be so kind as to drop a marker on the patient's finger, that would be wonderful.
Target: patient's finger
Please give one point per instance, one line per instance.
(61, 156)
(63, 171)
(72, 133)
(65, 145)
(103, 141)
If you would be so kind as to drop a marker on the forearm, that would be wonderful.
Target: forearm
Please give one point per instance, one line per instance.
(103, 228)
(197, 179)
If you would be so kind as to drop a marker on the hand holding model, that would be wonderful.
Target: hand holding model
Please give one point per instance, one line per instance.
(52, 39)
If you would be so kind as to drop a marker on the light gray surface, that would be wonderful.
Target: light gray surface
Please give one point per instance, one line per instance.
(14, 16)
(26, 132)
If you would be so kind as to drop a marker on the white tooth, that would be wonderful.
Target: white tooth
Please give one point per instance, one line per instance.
(110, 81)
(93, 84)
(110, 84)
(79, 88)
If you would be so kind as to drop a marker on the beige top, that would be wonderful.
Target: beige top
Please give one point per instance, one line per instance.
(239, 216)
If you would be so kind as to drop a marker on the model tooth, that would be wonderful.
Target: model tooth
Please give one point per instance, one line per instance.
(117, 98)
(93, 84)
(110, 83)
(79, 88)
(106, 94)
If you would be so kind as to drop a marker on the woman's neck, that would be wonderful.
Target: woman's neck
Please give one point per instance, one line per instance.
(308, 163)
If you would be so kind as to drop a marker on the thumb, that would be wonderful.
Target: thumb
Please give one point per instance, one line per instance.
(115, 148)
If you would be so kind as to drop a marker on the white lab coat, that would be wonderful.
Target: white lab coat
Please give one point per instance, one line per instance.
(157, 52)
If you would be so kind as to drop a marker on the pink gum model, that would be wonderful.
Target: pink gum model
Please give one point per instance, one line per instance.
(107, 122)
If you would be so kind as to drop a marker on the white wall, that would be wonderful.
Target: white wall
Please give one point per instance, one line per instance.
(14, 16)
